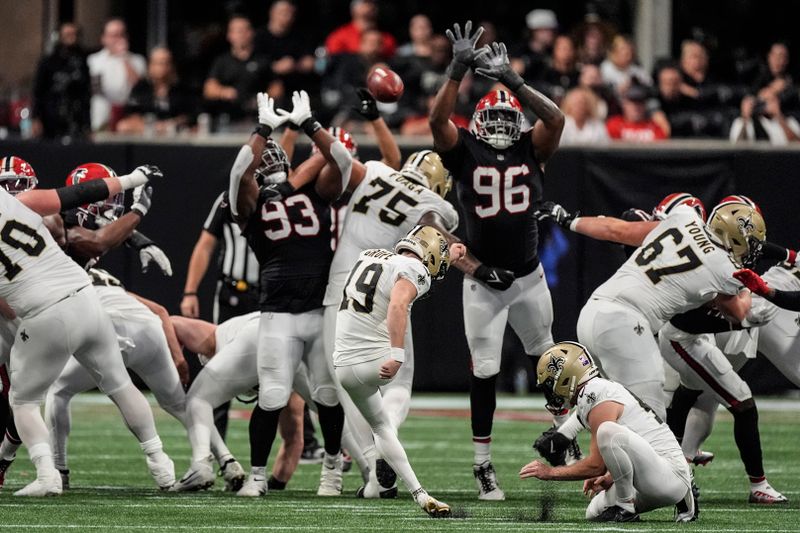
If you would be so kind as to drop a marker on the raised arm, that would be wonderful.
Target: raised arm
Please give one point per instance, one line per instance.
(368, 108)
(547, 130)
(53, 201)
(445, 132)
(600, 228)
(93, 243)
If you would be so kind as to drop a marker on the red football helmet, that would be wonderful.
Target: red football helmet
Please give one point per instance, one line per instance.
(16, 175)
(671, 201)
(740, 198)
(274, 166)
(110, 208)
(344, 137)
(498, 119)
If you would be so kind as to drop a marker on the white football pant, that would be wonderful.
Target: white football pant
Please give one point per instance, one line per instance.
(640, 474)
(621, 341)
(526, 306)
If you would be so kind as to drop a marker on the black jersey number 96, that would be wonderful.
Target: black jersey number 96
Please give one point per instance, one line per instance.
(32, 245)
(365, 284)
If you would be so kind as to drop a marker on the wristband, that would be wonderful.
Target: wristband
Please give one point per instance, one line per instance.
(310, 126)
(456, 71)
(398, 354)
(137, 241)
(190, 294)
(292, 126)
(263, 130)
(573, 226)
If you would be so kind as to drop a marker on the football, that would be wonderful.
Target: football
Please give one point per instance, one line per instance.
(384, 84)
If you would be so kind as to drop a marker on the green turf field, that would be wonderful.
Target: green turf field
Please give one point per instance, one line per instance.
(112, 490)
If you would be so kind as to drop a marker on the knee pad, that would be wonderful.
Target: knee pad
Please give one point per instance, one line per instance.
(485, 367)
(325, 395)
(273, 398)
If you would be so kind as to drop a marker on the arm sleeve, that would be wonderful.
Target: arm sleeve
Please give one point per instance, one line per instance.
(216, 217)
(789, 300)
(453, 157)
(137, 241)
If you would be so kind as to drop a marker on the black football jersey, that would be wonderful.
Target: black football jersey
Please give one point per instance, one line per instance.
(292, 241)
(498, 190)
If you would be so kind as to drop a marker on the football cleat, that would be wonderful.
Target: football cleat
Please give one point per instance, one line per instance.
(48, 484)
(162, 469)
(64, 478)
(233, 474)
(433, 507)
(573, 452)
(200, 476)
(330, 479)
(687, 509)
(702, 458)
(765, 494)
(4, 466)
(254, 486)
(312, 455)
(615, 513)
(486, 479)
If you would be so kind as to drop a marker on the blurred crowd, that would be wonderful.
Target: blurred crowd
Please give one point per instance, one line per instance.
(590, 70)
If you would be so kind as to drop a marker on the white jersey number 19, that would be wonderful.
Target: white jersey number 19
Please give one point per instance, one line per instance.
(365, 284)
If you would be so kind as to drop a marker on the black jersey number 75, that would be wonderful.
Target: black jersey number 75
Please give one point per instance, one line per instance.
(392, 212)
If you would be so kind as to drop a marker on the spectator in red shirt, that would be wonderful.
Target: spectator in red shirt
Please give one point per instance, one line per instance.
(346, 39)
(634, 125)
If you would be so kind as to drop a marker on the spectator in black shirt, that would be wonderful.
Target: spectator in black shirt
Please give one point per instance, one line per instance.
(237, 76)
(158, 95)
(62, 89)
(291, 57)
(562, 74)
(776, 79)
(531, 58)
(346, 72)
(420, 32)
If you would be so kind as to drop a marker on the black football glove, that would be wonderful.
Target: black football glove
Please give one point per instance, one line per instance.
(556, 213)
(636, 215)
(275, 192)
(367, 106)
(464, 52)
(495, 65)
(496, 278)
(552, 445)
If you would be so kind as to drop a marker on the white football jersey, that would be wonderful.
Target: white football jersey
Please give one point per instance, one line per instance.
(236, 326)
(783, 278)
(34, 272)
(361, 330)
(678, 268)
(116, 301)
(636, 416)
(384, 208)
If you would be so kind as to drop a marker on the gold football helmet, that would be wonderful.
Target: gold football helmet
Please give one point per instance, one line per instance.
(430, 246)
(426, 168)
(560, 370)
(740, 229)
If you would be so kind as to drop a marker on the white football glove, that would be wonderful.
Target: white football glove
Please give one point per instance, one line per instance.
(155, 254)
(266, 111)
(142, 199)
(301, 110)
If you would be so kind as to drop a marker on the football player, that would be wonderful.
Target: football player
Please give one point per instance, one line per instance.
(60, 315)
(634, 464)
(371, 332)
(499, 173)
(292, 241)
(230, 354)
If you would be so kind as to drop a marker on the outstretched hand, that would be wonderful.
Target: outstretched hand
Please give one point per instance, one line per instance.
(752, 281)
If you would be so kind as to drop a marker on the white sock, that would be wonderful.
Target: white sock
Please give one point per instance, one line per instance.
(8, 450)
(42, 457)
(330, 460)
(628, 506)
(759, 485)
(258, 471)
(153, 448)
(483, 451)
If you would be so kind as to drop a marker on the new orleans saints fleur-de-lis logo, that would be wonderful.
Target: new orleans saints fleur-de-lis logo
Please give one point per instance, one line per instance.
(746, 225)
(555, 364)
